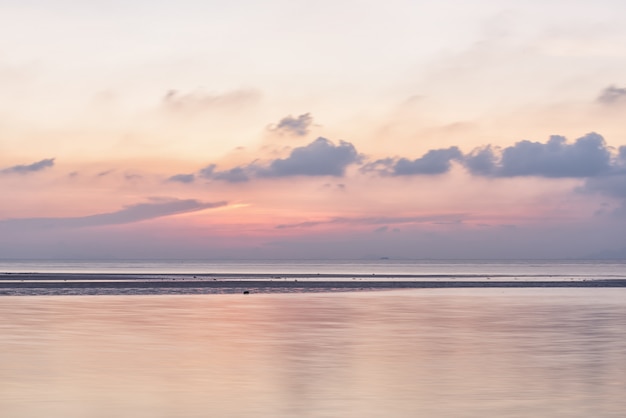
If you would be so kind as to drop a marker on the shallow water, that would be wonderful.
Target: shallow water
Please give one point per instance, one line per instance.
(425, 352)
(526, 268)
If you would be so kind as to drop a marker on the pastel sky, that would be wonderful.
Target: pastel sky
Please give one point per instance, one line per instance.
(298, 129)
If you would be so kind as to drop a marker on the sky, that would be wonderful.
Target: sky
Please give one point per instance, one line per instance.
(304, 130)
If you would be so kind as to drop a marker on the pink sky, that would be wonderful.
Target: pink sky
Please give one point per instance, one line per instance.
(203, 131)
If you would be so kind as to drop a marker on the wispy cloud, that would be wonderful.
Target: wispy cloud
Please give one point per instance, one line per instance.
(613, 184)
(200, 100)
(611, 95)
(29, 168)
(182, 178)
(156, 208)
(132, 176)
(379, 220)
(105, 173)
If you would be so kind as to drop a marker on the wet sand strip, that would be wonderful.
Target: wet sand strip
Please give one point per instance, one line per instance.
(305, 284)
(241, 276)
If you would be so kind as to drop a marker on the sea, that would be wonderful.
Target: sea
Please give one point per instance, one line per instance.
(485, 268)
(307, 351)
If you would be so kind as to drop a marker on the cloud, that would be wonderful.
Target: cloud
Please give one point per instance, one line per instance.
(611, 185)
(132, 176)
(156, 208)
(105, 173)
(319, 158)
(234, 175)
(611, 95)
(200, 100)
(434, 162)
(481, 161)
(379, 220)
(339, 187)
(588, 156)
(294, 126)
(30, 168)
(182, 178)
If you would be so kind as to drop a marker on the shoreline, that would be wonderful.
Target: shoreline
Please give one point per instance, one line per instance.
(76, 284)
(13, 276)
(293, 281)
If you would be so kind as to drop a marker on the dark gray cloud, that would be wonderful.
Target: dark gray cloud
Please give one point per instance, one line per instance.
(434, 162)
(156, 208)
(481, 161)
(588, 156)
(294, 126)
(319, 158)
(612, 94)
(182, 178)
(29, 168)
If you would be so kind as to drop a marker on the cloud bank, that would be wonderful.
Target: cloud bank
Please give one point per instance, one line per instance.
(588, 156)
(319, 158)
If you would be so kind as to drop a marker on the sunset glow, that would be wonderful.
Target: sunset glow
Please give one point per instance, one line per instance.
(299, 130)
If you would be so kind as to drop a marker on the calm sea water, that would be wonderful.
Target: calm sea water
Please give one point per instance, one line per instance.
(529, 268)
(426, 352)
(480, 352)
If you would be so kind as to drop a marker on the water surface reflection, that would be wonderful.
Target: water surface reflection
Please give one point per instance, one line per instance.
(438, 353)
